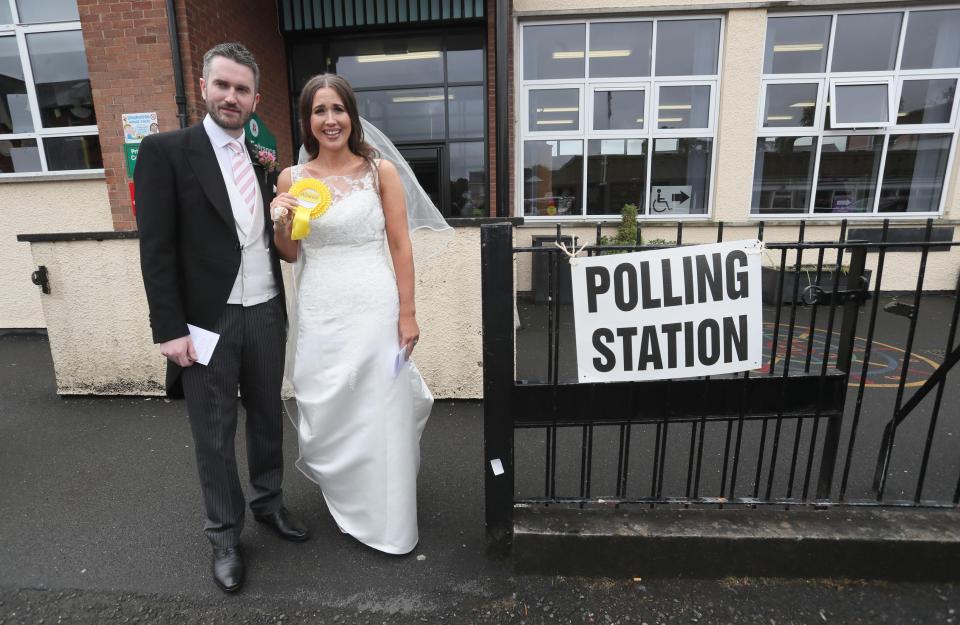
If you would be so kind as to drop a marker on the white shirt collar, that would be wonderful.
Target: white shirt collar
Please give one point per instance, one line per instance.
(218, 136)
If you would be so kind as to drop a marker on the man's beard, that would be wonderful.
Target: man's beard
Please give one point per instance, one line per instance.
(229, 125)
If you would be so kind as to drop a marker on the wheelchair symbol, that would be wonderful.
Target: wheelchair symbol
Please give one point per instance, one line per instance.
(660, 204)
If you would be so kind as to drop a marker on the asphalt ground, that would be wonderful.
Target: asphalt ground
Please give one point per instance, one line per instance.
(101, 519)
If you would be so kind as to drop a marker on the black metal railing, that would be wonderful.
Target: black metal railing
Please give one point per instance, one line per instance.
(822, 422)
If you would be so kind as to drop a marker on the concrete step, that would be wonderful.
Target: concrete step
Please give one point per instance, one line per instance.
(878, 543)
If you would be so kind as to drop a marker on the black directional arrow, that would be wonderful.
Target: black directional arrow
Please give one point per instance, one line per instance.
(681, 197)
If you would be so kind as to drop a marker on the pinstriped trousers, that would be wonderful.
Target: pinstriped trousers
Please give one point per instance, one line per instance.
(248, 356)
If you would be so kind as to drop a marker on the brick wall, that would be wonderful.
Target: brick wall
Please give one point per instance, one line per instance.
(492, 86)
(131, 70)
(205, 23)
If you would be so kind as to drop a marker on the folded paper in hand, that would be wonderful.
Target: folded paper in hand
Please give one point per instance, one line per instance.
(204, 341)
(400, 360)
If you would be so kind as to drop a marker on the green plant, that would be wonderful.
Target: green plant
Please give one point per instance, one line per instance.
(626, 231)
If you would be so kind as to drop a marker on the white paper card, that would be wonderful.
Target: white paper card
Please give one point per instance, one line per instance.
(204, 341)
(497, 466)
(400, 360)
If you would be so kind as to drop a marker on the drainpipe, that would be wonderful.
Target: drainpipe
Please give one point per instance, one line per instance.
(502, 107)
(180, 98)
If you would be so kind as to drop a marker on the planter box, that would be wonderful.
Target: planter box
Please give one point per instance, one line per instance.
(771, 276)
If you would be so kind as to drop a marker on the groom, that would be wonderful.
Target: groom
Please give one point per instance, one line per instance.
(208, 260)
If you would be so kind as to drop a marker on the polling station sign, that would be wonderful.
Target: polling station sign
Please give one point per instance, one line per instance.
(670, 313)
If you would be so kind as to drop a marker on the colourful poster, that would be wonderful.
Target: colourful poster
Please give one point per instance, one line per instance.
(136, 126)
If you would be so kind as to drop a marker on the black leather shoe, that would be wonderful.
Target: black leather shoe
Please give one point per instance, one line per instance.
(285, 525)
(227, 568)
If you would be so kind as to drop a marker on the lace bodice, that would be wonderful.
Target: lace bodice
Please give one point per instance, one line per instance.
(355, 216)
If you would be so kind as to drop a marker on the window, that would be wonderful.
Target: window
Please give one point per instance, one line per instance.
(618, 112)
(858, 112)
(47, 119)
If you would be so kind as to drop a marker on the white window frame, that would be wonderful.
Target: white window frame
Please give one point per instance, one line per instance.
(851, 82)
(39, 133)
(827, 79)
(649, 133)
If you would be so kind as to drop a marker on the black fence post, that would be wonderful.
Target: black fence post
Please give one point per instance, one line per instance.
(496, 259)
(848, 329)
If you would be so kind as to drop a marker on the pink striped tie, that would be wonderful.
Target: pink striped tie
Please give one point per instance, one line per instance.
(243, 175)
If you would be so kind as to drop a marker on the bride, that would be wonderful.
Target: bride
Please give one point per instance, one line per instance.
(362, 404)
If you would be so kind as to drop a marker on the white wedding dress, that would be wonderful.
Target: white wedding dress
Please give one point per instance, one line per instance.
(360, 420)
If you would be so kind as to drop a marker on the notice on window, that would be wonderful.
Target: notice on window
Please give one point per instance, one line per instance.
(672, 313)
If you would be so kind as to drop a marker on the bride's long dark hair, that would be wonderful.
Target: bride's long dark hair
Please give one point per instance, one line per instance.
(339, 84)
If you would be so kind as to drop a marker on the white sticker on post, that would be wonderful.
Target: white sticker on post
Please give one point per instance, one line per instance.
(497, 466)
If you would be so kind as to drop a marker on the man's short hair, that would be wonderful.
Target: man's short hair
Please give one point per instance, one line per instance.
(236, 52)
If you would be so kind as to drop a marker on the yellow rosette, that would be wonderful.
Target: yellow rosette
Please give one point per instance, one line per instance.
(313, 199)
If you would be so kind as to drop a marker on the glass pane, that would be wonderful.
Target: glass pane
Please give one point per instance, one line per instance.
(465, 62)
(783, 174)
(468, 180)
(6, 17)
(862, 104)
(914, 173)
(847, 179)
(866, 42)
(552, 177)
(932, 41)
(616, 175)
(618, 110)
(687, 47)
(14, 108)
(466, 112)
(67, 153)
(60, 75)
(381, 62)
(405, 114)
(307, 60)
(684, 107)
(36, 11)
(790, 105)
(19, 156)
(554, 109)
(796, 45)
(680, 176)
(553, 51)
(620, 49)
(926, 101)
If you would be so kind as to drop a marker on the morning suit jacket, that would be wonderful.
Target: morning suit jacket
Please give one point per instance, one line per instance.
(189, 249)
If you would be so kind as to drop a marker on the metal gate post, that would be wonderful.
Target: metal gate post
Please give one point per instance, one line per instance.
(496, 259)
(848, 328)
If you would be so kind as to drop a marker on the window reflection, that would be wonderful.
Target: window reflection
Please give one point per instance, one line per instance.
(554, 51)
(914, 172)
(19, 156)
(680, 176)
(847, 180)
(620, 49)
(687, 47)
(69, 153)
(468, 180)
(926, 101)
(862, 104)
(796, 45)
(618, 109)
(866, 42)
(37, 11)
(61, 78)
(684, 107)
(783, 174)
(616, 175)
(790, 105)
(14, 106)
(465, 62)
(466, 106)
(384, 62)
(932, 40)
(552, 177)
(554, 110)
(405, 114)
